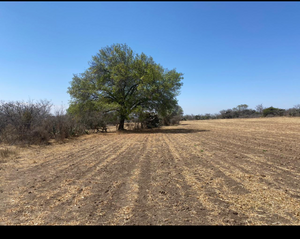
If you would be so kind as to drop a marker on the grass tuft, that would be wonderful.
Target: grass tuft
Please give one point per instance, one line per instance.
(5, 153)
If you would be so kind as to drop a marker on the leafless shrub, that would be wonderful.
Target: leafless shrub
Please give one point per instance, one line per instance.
(9, 134)
(175, 120)
(39, 136)
(20, 119)
(32, 123)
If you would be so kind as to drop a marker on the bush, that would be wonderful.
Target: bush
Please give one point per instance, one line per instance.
(19, 120)
(39, 136)
(175, 120)
(9, 134)
(173, 117)
(149, 120)
(271, 111)
(292, 112)
(94, 120)
(32, 123)
(63, 125)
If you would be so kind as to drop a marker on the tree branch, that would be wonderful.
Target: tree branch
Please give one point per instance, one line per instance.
(131, 90)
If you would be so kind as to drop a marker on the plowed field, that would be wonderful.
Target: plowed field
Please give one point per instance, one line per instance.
(239, 171)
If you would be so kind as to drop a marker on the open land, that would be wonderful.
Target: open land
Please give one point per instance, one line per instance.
(210, 172)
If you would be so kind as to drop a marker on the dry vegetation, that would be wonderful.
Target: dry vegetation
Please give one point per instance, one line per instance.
(229, 171)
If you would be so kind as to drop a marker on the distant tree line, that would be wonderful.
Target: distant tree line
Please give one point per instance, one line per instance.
(33, 122)
(242, 111)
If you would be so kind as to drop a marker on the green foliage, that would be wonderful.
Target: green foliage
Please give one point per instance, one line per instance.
(120, 81)
(271, 111)
(149, 119)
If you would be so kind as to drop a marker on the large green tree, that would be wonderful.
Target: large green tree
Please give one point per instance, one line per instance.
(120, 80)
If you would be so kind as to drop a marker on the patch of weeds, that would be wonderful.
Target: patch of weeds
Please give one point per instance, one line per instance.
(5, 153)
(202, 151)
(264, 150)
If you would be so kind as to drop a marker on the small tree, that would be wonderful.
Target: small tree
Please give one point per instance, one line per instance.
(242, 107)
(273, 111)
(297, 107)
(259, 108)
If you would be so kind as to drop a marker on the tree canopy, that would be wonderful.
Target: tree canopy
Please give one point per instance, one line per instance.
(120, 80)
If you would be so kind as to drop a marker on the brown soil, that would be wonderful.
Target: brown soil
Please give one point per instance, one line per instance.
(239, 171)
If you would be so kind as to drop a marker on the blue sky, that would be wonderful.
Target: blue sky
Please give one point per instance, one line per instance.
(230, 53)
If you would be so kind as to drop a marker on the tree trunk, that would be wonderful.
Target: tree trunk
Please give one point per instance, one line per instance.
(121, 124)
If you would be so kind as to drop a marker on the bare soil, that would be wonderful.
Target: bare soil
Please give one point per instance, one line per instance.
(212, 172)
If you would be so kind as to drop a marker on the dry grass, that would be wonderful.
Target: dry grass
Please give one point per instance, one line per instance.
(6, 153)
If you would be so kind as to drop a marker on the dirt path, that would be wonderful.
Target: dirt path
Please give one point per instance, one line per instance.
(200, 172)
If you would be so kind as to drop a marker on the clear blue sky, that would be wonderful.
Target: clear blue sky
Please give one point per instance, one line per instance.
(230, 53)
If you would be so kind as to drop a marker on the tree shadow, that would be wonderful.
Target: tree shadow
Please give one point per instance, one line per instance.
(162, 131)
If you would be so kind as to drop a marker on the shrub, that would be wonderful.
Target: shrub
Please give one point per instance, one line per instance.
(175, 120)
(9, 134)
(292, 112)
(271, 111)
(149, 120)
(32, 123)
(39, 136)
(20, 119)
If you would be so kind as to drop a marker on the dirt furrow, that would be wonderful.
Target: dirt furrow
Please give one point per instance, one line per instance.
(231, 167)
(263, 196)
(248, 162)
(164, 197)
(63, 185)
(120, 199)
(93, 198)
(199, 173)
